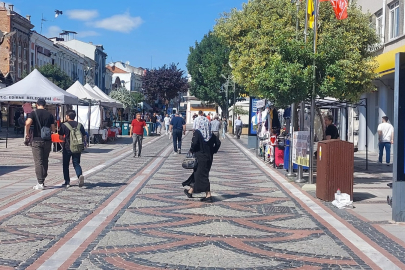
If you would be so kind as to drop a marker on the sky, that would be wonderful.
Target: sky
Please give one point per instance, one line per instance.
(148, 33)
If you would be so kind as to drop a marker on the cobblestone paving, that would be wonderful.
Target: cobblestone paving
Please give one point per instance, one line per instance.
(26, 235)
(252, 224)
(17, 172)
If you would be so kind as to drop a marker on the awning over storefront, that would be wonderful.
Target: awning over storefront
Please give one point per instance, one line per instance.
(386, 61)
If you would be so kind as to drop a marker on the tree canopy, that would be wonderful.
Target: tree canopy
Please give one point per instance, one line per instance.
(164, 83)
(56, 75)
(124, 96)
(206, 62)
(271, 60)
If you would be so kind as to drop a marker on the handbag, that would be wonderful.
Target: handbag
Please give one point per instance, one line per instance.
(190, 162)
(45, 131)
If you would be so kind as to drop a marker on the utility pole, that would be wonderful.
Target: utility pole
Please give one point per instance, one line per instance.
(311, 131)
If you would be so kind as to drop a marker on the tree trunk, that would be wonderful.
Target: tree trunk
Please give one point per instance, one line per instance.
(322, 122)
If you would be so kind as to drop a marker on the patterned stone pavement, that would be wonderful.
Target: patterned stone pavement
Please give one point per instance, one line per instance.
(133, 214)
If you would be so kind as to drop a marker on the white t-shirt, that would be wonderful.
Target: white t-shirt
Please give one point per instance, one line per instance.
(386, 131)
(167, 120)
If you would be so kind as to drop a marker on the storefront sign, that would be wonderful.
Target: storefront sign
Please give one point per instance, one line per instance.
(301, 142)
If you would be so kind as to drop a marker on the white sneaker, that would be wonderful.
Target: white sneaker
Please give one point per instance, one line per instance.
(179, 151)
(38, 187)
(81, 180)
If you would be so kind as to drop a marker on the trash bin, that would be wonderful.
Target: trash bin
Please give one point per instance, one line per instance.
(149, 125)
(335, 168)
(125, 128)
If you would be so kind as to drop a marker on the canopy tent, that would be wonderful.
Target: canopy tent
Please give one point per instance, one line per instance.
(101, 93)
(84, 93)
(94, 114)
(36, 86)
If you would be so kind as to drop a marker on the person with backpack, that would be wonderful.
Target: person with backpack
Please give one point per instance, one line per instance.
(44, 125)
(72, 132)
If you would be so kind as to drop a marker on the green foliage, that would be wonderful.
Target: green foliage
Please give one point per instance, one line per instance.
(206, 62)
(240, 111)
(137, 97)
(273, 61)
(56, 75)
(124, 96)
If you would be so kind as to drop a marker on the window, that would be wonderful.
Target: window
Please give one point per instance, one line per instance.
(19, 51)
(394, 20)
(379, 26)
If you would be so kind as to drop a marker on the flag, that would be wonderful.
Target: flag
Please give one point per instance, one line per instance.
(311, 13)
(340, 8)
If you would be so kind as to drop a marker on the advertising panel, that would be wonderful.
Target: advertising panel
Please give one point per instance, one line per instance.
(301, 141)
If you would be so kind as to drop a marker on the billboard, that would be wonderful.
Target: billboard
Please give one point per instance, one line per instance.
(253, 116)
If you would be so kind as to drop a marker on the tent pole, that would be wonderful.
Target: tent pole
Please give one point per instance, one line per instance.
(89, 117)
(8, 121)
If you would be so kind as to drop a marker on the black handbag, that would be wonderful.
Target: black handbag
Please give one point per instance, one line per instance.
(190, 162)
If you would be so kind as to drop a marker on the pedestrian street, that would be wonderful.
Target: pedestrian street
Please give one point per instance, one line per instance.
(132, 214)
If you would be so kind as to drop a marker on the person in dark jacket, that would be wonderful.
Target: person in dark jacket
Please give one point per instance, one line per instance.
(204, 145)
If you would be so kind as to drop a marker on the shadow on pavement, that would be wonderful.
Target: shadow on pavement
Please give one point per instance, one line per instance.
(102, 184)
(361, 196)
(97, 151)
(227, 197)
(8, 169)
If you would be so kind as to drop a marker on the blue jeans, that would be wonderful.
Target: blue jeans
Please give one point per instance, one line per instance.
(177, 135)
(387, 146)
(76, 164)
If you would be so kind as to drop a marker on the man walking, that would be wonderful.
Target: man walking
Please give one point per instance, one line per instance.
(136, 131)
(178, 129)
(44, 124)
(238, 127)
(153, 119)
(74, 135)
(331, 131)
(385, 139)
(215, 126)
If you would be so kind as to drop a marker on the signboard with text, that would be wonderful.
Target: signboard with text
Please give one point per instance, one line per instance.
(301, 141)
(253, 116)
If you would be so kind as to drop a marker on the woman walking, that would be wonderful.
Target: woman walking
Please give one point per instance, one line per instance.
(204, 145)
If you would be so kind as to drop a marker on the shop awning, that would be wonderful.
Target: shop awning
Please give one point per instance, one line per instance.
(386, 61)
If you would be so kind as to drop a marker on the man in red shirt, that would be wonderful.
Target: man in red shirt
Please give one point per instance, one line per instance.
(136, 131)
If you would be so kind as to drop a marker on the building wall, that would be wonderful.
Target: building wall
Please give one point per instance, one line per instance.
(381, 102)
(14, 51)
(136, 82)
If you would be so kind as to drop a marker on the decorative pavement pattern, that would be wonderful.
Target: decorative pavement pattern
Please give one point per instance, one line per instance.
(133, 214)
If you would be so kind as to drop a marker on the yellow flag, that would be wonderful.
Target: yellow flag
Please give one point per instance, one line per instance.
(311, 13)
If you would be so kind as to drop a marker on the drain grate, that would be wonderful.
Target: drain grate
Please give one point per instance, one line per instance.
(273, 209)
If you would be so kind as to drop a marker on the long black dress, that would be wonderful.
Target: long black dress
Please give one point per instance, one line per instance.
(204, 152)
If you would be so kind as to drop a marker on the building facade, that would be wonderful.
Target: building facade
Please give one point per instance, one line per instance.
(14, 51)
(93, 52)
(132, 76)
(388, 20)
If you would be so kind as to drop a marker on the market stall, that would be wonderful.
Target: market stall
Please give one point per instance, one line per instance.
(33, 87)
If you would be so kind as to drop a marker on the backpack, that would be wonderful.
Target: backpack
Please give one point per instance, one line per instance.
(76, 138)
(45, 131)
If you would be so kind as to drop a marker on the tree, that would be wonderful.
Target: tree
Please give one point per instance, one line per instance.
(124, 96)
(56, 75)
(137, 97)
(272, 62)
(206, 62)
(240, 111)
(164, 83)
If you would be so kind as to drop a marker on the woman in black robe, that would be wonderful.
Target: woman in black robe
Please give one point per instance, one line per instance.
(204, 152)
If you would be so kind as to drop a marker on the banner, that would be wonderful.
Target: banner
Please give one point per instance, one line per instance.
(301, 143)
(253, 116)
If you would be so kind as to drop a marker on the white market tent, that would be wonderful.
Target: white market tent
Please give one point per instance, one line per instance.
(84, 93)
(36, 86)
(101, 93)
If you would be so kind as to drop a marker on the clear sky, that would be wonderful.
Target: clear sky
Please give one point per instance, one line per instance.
(145, 33)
